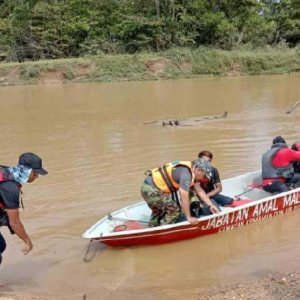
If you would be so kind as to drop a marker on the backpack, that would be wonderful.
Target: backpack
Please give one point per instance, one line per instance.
(4, 221)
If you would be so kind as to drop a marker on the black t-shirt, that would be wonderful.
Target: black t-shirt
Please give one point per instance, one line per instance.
(210, 186)
(10, 194)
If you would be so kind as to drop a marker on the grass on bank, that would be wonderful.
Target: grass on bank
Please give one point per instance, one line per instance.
(171, 64)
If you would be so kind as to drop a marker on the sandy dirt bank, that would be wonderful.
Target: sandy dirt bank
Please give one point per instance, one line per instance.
(274, 287)
(19, 296)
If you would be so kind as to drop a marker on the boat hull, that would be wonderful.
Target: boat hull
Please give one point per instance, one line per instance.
(244, 215)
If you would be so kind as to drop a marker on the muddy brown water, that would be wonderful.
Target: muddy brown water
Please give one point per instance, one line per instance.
(93, 142)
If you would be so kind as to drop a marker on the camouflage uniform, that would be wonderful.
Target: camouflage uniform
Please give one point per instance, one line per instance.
(164, 209)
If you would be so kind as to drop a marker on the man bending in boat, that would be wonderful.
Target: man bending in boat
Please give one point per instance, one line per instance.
(160, 189)
(277, 167)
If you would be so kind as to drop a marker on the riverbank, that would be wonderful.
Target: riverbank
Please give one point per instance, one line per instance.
(20, 296)
(172, 64)
(274, 287)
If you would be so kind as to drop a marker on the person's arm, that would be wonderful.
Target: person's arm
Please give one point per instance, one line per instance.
(201, 193)
(17, 226)
(185, 205)
(216, 191)
(292, 155)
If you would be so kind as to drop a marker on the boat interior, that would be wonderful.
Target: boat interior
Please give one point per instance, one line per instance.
(247, 186)
(244, 187)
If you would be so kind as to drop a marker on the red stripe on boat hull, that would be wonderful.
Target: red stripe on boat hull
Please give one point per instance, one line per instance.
(242, 217)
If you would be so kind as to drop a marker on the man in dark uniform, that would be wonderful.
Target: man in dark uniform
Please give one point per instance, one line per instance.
(11, 181)
(212, 186)
(277, 167)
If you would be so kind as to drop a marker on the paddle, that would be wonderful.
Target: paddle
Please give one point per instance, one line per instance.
(110, 218)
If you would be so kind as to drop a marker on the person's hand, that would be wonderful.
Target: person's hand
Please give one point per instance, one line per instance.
(214, 209)
(193, 221)
(28, 247)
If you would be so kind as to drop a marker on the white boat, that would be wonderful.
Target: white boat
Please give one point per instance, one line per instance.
(128, 226)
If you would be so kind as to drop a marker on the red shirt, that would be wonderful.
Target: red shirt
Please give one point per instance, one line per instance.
(282, 159)
(204, 182)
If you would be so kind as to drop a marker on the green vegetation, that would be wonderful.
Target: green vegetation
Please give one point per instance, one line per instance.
(171, 64)
(54, 29)
(117, 40)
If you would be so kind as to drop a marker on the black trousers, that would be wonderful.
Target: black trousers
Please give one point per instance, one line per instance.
(2, 246)
(202, 209)
(280, 187)
(205, 211)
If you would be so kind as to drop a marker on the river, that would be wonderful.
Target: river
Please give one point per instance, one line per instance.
(96, 147)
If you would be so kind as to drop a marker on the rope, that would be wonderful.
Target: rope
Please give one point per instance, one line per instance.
(245, 192)
(87, 257)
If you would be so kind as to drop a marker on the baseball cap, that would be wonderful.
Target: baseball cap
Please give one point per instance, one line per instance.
(279, 140)
(204, 165)
(32, 161)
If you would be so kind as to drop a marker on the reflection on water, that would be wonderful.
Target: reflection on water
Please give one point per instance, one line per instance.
(93, 142)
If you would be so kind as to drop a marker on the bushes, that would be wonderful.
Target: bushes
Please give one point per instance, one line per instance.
(29, 72)
(51, 29)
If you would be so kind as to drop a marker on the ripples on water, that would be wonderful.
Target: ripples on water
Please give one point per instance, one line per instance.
(93, 141)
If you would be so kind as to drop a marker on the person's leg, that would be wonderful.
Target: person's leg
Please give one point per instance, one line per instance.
(205, 211)
(164, 209)
(171, 211)
(276, 187)
(294, 182)
(152, 196)
(2, 246)
(222, 200)
(295, 178)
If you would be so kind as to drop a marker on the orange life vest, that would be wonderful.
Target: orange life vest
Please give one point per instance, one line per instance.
(163, 179)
